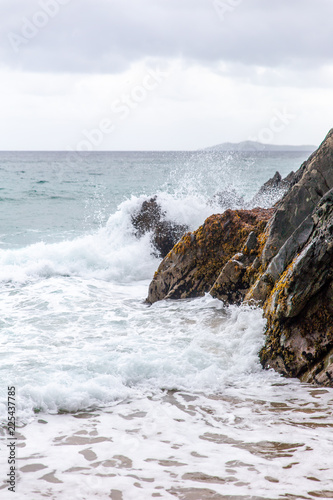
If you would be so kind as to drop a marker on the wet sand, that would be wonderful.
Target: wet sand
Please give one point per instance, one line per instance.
(186, 446)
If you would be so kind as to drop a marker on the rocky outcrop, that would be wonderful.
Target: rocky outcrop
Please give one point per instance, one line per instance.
(192, 267)
(234, 280)
(312, 181)
(284, 265)
(273, 190)
(292, 224)
(299, 309)
(164, 233)
(295, 288)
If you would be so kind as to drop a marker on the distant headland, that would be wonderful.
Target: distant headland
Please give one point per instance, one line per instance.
(257, 146)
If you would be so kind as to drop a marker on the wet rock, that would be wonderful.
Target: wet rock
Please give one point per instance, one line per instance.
(230, 285)
(299, 309)
(147, 218)
(302, 346)
(251, 243)
(292, 222)
(235, 278)
(194, 264)
(164, 233)
(273, 190)
(311, 268)
(280, 262)
(285, 265)
(311, 182)
(165, 236)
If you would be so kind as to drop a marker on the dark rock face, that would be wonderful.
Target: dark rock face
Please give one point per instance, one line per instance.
(300, 307)
(194, 264)
(285, 265)
(150, 218)
(147, 218)
(165, 236)
(292, 223)
(296, 289)
(311, 182)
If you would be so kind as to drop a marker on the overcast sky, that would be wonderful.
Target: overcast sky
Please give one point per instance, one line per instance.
(164, 74)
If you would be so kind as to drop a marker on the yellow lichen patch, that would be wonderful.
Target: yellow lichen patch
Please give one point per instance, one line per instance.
(282, 349)
(182, 245)
(279, 294)
(221, 236)
(195, 262)
(262, 238)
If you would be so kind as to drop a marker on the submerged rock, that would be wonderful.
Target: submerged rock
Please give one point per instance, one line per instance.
(164, 233)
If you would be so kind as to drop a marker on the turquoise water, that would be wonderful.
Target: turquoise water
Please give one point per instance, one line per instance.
(116, 399)
(51, 196)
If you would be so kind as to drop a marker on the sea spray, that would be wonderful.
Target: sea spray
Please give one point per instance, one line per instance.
(168, 400)
(134, 349)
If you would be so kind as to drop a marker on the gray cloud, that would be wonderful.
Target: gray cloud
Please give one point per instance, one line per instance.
(106, 36)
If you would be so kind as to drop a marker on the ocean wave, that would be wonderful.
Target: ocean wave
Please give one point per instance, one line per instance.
(193, 345)
(112, 253)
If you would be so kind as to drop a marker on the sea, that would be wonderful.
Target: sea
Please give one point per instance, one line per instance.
(113, 398)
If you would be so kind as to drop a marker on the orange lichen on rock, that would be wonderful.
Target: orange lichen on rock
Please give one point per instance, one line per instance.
(192, 266)
(284, 265)
(276, 301)
(182, 245)
(299, 346)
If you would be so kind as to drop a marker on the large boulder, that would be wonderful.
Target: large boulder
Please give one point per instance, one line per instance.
(193, 265)
(299, 309)
(150, 218)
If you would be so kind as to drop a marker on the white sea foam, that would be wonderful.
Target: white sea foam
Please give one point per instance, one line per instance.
(84, 338)
(273, 441)
(168, 400)
(112, 253)
(60, 362)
